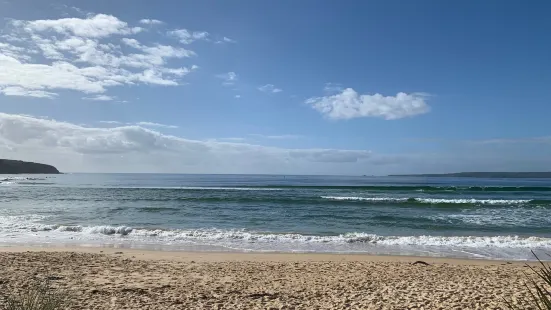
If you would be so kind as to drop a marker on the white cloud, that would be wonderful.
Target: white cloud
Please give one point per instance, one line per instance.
(180, 71)
(59, 75)
(84, 55)
(269, 88)
(225, 40)
(349, 104)
(187, 37)
(20, 91)
(157, 53)
(150, 124)
(97, 26)
(111, 122)
(228, 78)
(16, 52)
(146, 21)
(237, 96)
(200, 35)
(131, 148)
(76, 148)
(100, 98)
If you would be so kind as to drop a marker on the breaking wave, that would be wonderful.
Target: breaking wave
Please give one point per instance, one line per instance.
(238, 235)
(434, 200)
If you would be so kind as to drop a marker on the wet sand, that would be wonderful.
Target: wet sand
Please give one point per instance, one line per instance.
(106, 278)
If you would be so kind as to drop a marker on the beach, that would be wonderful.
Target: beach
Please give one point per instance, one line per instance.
(113, 278)
(143, 241)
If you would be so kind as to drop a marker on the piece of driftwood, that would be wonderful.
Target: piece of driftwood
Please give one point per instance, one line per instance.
(421, 263)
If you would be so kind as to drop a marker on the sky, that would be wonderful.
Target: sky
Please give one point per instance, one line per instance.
(276, 87)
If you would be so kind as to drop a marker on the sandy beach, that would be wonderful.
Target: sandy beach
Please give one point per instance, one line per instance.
(107, 278)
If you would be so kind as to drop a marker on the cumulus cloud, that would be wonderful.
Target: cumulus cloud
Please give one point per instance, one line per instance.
(186, 37)
(136, 148)
(90, 55)
(59, 75)
(269, 88)
(20, 91)
(146, 21)
(349, 104)
(100, 25)
(15, 52)
(228, 78)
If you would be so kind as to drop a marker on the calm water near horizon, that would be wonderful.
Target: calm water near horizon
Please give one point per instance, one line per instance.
(451, 217)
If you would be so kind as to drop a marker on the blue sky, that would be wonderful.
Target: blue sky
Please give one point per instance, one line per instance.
(355, 87)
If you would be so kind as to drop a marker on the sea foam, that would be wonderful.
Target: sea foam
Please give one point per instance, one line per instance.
(433, 200)
(233, 236)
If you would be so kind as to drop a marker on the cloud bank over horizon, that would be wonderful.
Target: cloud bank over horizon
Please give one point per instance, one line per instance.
(135, 148)
(132, 147)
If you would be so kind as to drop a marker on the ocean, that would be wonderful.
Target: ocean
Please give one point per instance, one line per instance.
(442, 217)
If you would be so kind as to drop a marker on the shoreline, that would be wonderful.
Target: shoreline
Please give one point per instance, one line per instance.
(223, 256)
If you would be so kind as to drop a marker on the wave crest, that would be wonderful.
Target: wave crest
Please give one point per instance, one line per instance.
(434, 200)
(104, 229)
(231, 236)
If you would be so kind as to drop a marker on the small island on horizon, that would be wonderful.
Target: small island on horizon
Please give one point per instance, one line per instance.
(9, 166)
(487, 175)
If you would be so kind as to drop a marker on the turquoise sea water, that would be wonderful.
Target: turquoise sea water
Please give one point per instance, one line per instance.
(453, 217)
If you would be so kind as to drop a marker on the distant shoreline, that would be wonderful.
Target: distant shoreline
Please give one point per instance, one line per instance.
(153, 253)
(9, 166)
(488, 175)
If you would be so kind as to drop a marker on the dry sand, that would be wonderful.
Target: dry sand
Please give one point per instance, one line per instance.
(101, 278)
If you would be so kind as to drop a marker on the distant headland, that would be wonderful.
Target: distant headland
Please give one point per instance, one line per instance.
(493, 175)
(8, 166)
